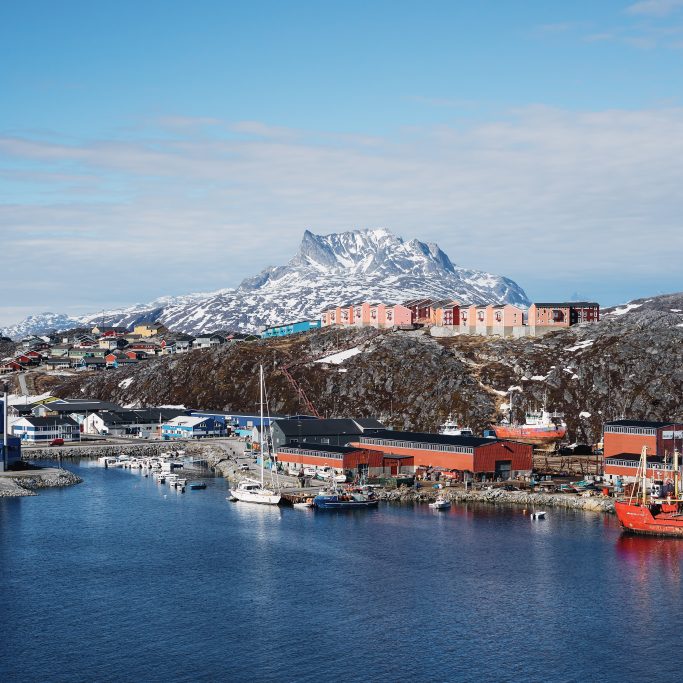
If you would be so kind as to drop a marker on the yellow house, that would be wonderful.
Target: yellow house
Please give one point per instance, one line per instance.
(149, 329)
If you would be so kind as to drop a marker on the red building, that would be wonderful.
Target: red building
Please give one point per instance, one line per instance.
(420, 310)
(477, 457)
(629, 436)
(343, 459)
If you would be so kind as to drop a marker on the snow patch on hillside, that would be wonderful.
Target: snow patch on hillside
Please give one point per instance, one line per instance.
(338, 358)
(625, 309)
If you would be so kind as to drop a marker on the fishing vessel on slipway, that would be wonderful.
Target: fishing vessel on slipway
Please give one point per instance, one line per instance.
(540, 427)
(652, 510)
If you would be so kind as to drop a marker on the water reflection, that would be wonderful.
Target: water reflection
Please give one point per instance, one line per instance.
(649, 554)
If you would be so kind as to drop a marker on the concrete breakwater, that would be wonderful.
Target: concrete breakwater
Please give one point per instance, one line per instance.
(501, 497)
(25, 483)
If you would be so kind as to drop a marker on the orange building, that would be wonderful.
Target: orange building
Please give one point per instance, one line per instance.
(629, 436)
(472, 456)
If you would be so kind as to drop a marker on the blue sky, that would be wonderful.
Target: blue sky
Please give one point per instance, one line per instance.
(166, 147)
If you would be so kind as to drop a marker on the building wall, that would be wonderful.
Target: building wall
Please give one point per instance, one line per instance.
(480, 459)
(627, 473)
(613, 444)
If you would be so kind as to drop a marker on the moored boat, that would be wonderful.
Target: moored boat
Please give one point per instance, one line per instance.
(649, 515)
(249, 490)
(440, 503)
(336, 498)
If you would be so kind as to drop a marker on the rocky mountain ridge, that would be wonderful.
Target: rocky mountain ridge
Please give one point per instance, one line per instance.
(327, 270)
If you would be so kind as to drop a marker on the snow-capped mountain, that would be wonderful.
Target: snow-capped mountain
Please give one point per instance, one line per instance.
(369, 265)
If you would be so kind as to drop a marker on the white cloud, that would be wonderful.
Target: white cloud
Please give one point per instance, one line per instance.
(655, 8)
(542, 192)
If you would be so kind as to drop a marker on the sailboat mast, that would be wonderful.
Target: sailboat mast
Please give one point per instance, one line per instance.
(263, 450)
(643, 457)
(676, 473)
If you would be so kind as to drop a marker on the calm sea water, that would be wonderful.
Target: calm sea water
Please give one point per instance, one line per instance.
(122, 579)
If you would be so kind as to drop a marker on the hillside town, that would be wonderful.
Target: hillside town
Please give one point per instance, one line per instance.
(109, 347)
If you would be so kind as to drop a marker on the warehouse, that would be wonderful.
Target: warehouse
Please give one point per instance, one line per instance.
(472, 457)
(357, 462)
(629, 436)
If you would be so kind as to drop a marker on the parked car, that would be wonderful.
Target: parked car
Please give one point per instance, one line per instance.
(57, 442)
(244, 467)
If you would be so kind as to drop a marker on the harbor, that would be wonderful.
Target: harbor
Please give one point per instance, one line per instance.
(198, 571)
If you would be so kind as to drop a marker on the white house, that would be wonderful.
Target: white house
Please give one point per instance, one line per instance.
(45, 429)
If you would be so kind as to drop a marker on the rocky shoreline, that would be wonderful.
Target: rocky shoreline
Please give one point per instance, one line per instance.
(501, 497)
(27, 482)
(222, 457)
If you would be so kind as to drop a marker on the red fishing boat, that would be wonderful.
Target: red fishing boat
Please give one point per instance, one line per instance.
(645, 514)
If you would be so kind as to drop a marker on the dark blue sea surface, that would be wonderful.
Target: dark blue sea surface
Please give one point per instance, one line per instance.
(122, 579)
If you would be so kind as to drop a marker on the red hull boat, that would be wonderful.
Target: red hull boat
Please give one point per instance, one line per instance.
(656, 516)
(652, 519)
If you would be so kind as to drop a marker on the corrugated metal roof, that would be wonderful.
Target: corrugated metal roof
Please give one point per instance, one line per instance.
(424, 437)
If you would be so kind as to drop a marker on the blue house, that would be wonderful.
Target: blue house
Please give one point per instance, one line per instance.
(290, 328)
(192, 427)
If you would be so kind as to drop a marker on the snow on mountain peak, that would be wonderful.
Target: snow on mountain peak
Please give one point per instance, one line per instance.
(358, 265)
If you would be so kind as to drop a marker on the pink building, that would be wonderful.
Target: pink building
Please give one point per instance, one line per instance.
(398, 315)
(377, 315)
(361, 314)
(504, 319)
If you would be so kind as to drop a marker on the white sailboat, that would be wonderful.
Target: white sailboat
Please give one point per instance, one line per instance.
(250, 490)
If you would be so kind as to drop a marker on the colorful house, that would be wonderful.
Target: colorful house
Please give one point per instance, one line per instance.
(546, 317)
(191, 427)
(504, 319)
(149, 329)
(290, 328)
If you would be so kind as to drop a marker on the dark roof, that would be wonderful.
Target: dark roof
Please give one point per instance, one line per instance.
(423, 437)
(566, 304)
(152, 414)
(81, 406)
(318, 427)
(228, 413)
(50, 421)
(369, 423)
(638, 423)
(634, 457)
(320, 447)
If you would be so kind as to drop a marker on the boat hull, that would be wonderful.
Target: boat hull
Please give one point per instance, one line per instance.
(260, 497)
(334, 503)
(529, 434)
(636, 518)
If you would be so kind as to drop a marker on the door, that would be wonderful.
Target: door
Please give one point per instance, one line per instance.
(503, 469)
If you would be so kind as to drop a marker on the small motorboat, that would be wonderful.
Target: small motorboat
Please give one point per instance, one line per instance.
(537, 514)
(195, 485)
(440, 504)
(304, 504)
